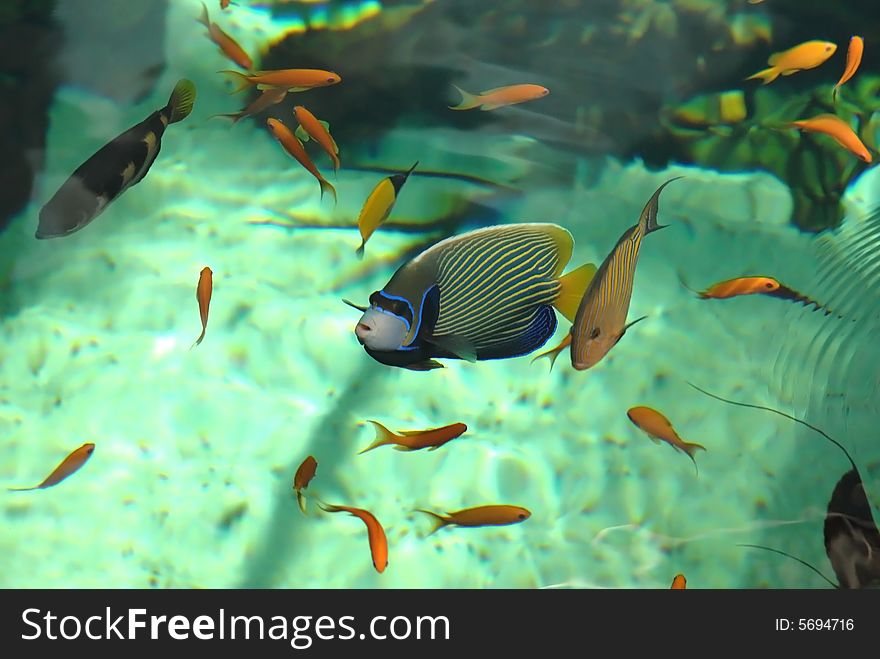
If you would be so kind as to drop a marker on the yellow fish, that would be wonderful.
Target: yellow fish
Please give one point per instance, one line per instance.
(378, 206)
(807, 55)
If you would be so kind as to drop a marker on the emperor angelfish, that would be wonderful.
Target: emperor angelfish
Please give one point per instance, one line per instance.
(486, 294)
(600, 321)
(115, 167)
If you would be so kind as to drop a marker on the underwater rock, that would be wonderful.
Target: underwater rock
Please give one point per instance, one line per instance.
(28, 42)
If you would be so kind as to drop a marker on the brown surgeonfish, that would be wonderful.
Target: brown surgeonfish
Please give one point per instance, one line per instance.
(113, 169)
(600, 321)
(302, 478)
(68, 466)
(658, 428)
(375, 532)
(498, 515)
(415, 440)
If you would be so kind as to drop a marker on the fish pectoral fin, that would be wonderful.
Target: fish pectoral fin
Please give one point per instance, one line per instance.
(490, 106)
(427, 365)
(354, 306)
(626, 327)
(301, 133)
(398, 447)
(572, 289)
(457, 345)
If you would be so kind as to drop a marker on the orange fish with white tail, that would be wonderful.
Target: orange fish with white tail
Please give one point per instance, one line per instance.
(375, 532)
(203, 295)
(294, 147)
(837, 129)
(499, 97)
(804, 56)
(414, 440)
(658, 428)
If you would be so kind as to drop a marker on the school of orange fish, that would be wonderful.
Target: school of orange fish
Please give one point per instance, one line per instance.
(274, 87)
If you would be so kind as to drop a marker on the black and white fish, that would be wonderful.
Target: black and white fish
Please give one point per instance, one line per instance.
(486, 294)
(115, 167)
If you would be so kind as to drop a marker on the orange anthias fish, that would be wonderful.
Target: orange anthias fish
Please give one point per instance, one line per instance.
(754, 286)
(295, 80)
(228, 46)
(302, 478)
(268, 98)
(203, 295)
(501, 515)
(68, 466)
(317, 130)
(499, 97)
(679, 583)
(804, 56)
(375, 532)
(839, 130)
(225, 3)
(553, 353)
(853, 59)
(658, 428)
(415, 440)
(294, 147)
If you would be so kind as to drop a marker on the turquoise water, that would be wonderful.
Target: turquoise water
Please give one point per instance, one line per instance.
(190, 483)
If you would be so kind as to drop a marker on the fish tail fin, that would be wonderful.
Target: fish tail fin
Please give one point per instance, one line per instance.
(180, 104)
(648, 218)
(468, 100)
(691, 449)
(240, 79)
(301, 500)
(203, 18)
(767, 75)
(360, 250)
(328, 507)
(22, 489)
(335, 159)
(834, 93)
(572, 288)
(383, 437)
(549, 354)
(782, 553)
(439, 520)
(327, 186)
(199, 340)
(684, 283)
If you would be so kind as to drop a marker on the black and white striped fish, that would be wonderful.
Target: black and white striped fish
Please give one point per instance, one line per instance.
(115, 167)
(600, 321)
(486, 294)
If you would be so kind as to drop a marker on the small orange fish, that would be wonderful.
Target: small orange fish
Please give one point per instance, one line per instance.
(317, 131)
(753, 286)
(302, 478)
(294, 147)
(295, 80)
(228, 46)
(553, 353)
(414, 440)
(203, 295)
(268, 98)
(658, 428)
(68, 466)
(500, 515)
(225, 3)
(375, 532)
(839, 130)
(679, 583)
(804, 56)
(499, 97)
(853, 59)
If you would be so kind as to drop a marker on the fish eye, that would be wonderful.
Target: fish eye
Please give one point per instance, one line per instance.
(595, 333)
(522, 516)
(769, 284)
(331, 79)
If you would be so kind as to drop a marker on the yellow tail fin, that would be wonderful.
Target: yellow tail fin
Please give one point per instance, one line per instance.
(468, 100)
(383, 437)
(182, 99)
(326, 186)
(573, 286)
(439, 520)
(767, 75)
(240, 79)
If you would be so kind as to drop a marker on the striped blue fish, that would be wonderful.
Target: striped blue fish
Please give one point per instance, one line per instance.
(487, 294)
(600, 321)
